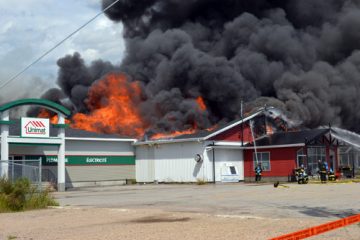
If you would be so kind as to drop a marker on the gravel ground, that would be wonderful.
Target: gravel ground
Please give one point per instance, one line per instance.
(187, 212)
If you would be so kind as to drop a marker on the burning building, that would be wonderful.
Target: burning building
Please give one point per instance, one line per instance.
(227, 153)
(190, 64)
(66, 157)
(231, 152)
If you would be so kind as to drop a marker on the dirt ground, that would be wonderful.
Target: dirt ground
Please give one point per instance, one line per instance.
(131, 213)
(106, 223)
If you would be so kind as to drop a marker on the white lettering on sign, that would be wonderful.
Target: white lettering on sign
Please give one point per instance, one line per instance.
(96, 160)
(54, 159)
(35, 127)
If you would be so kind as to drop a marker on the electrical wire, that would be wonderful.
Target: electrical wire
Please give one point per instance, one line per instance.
(54, 47)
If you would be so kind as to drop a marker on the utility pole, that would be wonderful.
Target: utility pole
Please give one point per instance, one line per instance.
(242, 123)
(253, 137)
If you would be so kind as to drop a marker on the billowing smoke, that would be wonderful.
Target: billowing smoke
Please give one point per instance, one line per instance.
(301, 55)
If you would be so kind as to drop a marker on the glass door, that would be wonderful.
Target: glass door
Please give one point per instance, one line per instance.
(301, 160)
(332, 164)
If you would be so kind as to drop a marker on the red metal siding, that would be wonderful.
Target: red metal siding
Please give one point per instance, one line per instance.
(234, 134)
(282, 162)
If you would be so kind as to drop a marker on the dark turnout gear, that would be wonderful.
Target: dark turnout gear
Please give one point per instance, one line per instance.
(301, 175)
(323, 172)
(258, 171)
(331, 175)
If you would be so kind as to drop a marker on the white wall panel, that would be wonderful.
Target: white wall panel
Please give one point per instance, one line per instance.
(145, 169)
(229, 157)
(74, 147)
(175, 162)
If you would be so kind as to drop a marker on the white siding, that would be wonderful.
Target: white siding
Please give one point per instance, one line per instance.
(145, 170)
(175, 162)
(229, 157)
(99, 173)
(73, 147)
(33, 150)
(76, 147)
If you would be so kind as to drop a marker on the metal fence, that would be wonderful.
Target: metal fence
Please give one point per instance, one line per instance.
(15, 169)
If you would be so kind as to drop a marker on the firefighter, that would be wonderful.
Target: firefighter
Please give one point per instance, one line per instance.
(258, 171)
(331, 175)
(323, 171)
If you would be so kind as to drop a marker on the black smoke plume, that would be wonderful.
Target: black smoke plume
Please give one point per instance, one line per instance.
(301, 55)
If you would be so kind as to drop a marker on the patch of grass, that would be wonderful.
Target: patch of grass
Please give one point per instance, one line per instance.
(200, 181)
(10, 237)
(131, 181)
(21, 196)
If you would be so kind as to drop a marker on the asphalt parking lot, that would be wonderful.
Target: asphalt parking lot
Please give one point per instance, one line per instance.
(203, 212)
(328, 201)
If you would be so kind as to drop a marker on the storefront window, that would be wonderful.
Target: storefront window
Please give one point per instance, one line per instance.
(345, 156)
(301, 158)
(314, 154)
(264, 159)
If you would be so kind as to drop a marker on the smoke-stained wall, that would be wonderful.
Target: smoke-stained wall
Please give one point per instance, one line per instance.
(300, 55)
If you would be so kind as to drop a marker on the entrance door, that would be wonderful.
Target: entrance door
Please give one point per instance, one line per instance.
(301, 160)
(332, 160)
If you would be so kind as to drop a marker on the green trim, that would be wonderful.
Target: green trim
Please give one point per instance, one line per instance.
(34, 138)
(59, 125)
(34, 101)
(86, 160)
(35, 144)
(9, 122)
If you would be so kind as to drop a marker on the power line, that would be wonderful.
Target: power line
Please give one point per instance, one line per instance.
(58, 44)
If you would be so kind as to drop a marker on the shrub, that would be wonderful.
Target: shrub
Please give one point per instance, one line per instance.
(21, 196)
(200, 181)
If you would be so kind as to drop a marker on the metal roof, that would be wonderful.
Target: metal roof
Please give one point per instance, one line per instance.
(290, 138)
(202, 135)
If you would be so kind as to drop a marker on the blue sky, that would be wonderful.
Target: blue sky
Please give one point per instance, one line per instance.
(28, 28)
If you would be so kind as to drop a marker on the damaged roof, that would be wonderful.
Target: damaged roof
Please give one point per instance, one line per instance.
(290, 138)
(203, 134)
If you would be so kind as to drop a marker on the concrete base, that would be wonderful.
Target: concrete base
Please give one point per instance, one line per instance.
(61, 187)
(268, 179)
(95, 183)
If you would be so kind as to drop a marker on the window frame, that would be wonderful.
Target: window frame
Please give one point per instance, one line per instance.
(254, 161)
(314, 153)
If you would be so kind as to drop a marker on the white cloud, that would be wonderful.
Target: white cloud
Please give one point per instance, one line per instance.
(29, 28)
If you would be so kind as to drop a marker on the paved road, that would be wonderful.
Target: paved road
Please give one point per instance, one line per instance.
(298, 201)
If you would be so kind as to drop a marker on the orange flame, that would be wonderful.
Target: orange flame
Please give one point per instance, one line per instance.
(202, 107)
(201, 103)
(173, 134)
(269, 129)
(54, 119)
(113, 104)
